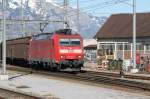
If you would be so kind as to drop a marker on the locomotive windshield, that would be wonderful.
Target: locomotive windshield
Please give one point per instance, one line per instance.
(64, 42)
(70, 42)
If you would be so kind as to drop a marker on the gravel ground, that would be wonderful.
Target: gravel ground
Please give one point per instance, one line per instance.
(52, 87)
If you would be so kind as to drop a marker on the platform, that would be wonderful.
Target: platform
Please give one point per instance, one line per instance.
(3, 76)
(47, 86)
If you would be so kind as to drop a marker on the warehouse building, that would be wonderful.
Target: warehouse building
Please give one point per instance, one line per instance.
(115, 38)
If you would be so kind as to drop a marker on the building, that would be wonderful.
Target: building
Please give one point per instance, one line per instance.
(91, 52)
(90, 49)
(115, 38)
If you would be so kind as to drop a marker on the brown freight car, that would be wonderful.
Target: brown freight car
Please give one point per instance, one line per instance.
(17, 50)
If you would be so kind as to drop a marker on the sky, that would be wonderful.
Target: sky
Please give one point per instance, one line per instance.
(108, 7)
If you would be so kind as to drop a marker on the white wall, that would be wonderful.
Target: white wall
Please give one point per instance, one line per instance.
(87, 42)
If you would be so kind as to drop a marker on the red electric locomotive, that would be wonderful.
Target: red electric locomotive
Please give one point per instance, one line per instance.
(61, 50)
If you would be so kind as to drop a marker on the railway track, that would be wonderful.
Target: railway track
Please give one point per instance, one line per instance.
(93, 77)
(118, 75)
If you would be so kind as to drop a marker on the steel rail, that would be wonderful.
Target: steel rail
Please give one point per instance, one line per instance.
(91, 77)
(130, 76)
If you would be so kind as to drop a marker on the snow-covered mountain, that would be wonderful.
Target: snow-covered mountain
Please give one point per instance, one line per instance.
(48, 10)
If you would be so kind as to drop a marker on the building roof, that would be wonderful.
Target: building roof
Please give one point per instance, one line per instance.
(87, 42)
(90, 47)
(121, 26)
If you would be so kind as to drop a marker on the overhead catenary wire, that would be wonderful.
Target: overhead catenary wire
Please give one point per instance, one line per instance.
(105, 4)
(101, 6)
(28, 21)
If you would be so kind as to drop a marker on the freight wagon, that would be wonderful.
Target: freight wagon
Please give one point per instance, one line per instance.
(17, 50)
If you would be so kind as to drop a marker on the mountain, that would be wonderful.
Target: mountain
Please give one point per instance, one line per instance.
(48, 10)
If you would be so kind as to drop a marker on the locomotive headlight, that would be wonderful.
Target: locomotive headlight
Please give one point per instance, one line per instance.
(79, 56)
(62, 57)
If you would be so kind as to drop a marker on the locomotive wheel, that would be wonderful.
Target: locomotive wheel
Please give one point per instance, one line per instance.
(55, 67)
(40, 66)
(48, 66)
(44, 65)
(58, 67)
(35, 66)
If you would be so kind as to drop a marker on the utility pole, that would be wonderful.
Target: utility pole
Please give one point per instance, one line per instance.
(22, 18)
(134, 70)
(78, 16)
(4, 40)
(3, 75)
(66, 24)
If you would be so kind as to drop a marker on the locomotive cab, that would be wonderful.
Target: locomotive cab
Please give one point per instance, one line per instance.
(70, 51)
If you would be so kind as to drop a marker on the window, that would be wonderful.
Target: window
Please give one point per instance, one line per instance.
(64, 42)
(127, 47)
(119, 47)
(103, 46)
(140, 47)
(147, 47)
(75, 42)
(70, 42)
(109, 51)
